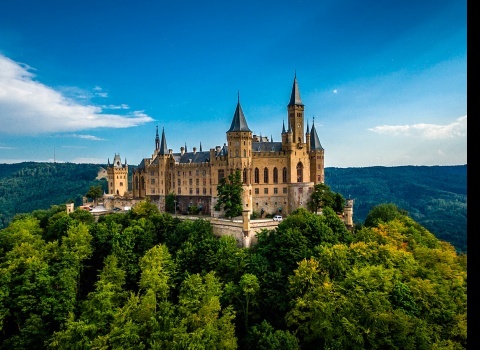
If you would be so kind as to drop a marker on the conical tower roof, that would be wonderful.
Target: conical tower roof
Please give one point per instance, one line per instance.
(295, 99)
(239, 123)
(163, 144)
(315, 144)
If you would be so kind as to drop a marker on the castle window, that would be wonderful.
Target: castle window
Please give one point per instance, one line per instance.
(257, 176)
(318, 178)
(190, 182)
(256, 191)
(152, 181)
(221, 174)
(275, 175)
(284, 175)
(245, 176)
(265, 190)
(265, 175)
(197, 182)
(275, 190)
(284, 190)
(197, 190)
(121, 183)
(204, 191)
(299, 172)
(179, 190)
(204, 182)
(319, 167)
(191, 190)
(179, 182)
(244, 152)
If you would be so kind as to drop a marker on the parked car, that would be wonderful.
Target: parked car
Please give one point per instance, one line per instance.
(277, 218)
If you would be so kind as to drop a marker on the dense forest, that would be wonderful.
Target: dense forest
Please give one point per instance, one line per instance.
(147, 280)
(434, 196)
(28, 186)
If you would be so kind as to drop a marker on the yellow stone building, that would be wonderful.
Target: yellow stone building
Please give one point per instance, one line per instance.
(278, 177)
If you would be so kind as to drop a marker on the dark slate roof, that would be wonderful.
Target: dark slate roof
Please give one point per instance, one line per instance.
(295, 98)
(163, 145)
(190, 157)
(266, 146)
(141, 166)
(315, 144)
(239, 123)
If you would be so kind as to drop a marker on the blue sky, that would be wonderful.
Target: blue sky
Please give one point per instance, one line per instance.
(385, 82)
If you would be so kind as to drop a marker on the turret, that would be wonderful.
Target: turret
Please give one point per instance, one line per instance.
(295, 114)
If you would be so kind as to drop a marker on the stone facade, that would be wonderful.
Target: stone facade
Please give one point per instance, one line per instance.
(278, 177)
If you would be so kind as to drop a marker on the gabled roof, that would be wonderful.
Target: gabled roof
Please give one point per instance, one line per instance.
(266, 146)
(192, 157)
(239, 123)
(295, 99)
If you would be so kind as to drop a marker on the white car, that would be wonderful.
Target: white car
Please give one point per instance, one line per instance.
(277, 218)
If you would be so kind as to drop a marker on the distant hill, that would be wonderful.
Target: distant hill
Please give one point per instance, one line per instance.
(25, 187)
(434, 196)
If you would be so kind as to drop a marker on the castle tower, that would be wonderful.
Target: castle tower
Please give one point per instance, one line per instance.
(348, 214)
(117, 175)
(239, 139)
(316, 155)
(295, 114)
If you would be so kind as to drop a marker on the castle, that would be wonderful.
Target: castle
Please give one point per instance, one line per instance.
(277, 177)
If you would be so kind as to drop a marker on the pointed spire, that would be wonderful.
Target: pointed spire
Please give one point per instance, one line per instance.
(157, 140)
(239, 122)
(200, 146)
(271, 138)
(295, 98)
(315, 144)
(163, 150)
(185, 147)
(108, 162)
(283, 127)
(125, 161)
(308, 129)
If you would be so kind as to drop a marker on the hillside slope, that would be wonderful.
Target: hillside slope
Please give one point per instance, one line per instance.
(434, 196)
(25, 187)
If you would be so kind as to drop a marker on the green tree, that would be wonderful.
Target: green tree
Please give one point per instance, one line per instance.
(230, 195)
(323, 197)
(94, 193)
(170, 203)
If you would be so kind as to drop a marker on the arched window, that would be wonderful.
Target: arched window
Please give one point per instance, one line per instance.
(143, 183)
(299, 172)
(136, 183)
(245, 175)
(284, 175)
(265, 175)
(257, 176)
(275, 175)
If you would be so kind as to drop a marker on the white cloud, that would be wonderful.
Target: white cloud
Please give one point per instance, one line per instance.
(335, 91)
(88, 137)
(122, 106)
(30, 107)
(428, 131)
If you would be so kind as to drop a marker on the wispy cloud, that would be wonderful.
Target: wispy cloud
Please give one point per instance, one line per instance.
(30, 107)
(6, 147)
(88, 137)
(428, 131)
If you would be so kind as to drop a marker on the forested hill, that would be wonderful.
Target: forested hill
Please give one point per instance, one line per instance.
(28, 186)
(434, 196)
